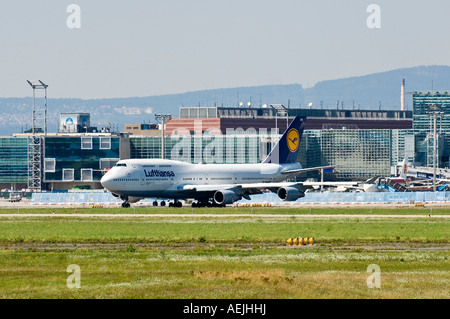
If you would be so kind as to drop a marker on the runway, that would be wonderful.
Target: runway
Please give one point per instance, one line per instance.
(187, 215)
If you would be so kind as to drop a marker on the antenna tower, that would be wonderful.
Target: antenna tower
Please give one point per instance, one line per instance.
(36, 139)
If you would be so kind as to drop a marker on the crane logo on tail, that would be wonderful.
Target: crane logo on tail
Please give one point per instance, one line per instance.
(293, 140)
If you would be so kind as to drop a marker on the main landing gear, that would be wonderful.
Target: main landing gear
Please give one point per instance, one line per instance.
(206, 203)
(176, 203)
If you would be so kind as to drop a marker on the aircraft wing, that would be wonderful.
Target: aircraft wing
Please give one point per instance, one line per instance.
(244, 190)
(273, 187)
(347, 184)
(206, 188)
(250, 186)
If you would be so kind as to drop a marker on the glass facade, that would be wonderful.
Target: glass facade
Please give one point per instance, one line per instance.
(244, 148)
(310, 153)
(425, 105)
(356, 154)
(427, 102)
(13, 160)
(79, 158)
(402, 145)
(146, 147)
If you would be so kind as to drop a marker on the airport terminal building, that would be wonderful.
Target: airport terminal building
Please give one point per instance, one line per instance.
(358, 143)
(432, 113)
(69, 159)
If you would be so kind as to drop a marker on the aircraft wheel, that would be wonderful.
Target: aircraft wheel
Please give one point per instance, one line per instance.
(163, 203)
(125, 205)
(155, 203)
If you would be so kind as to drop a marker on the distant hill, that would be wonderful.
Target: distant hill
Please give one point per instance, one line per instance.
(369, 90)
(365, 92)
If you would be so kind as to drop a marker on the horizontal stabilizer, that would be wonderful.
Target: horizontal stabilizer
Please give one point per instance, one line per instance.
(372, 179)
(302, 170)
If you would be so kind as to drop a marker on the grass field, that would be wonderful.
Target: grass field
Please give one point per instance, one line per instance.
(317, 210)
(224, 256)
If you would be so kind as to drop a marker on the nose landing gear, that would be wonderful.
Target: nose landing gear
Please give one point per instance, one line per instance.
(125, 203)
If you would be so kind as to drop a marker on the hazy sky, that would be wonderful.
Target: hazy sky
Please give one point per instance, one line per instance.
(142, 48)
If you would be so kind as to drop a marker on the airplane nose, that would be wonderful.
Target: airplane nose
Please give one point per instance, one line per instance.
(106, 181)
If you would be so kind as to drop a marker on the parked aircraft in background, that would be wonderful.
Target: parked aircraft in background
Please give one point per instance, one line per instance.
(403, 178)
(373, 184)
(369, 185)
(405, 183)
(212, 184)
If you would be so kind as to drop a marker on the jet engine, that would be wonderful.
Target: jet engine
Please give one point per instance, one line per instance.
(289, 193)
(225, 197)
(129, 199)
(133, 199)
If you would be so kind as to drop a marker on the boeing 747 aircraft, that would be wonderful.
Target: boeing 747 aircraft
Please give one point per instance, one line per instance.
(211, 184)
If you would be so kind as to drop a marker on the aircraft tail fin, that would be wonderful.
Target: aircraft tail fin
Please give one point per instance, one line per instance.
(287, 148)
(404, 168)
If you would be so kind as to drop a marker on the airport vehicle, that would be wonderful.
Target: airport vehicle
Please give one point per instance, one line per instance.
(15, 197)
(211, 184)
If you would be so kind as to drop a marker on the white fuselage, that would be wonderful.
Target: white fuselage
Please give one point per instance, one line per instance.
(168, 178)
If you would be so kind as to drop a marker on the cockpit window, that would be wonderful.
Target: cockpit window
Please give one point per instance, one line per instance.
(121, 164)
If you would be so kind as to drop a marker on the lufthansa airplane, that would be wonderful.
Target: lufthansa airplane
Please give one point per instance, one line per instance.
(211, 184)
